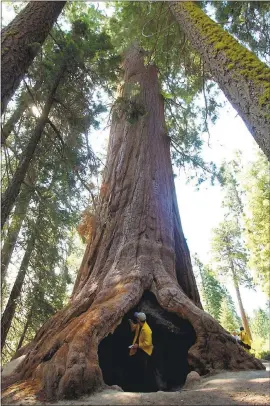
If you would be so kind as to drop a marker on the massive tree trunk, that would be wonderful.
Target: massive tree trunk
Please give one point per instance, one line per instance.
(243, 78)
(13, 189)
(131, 263)
(21, 41)
(17, 289)
(15, 227)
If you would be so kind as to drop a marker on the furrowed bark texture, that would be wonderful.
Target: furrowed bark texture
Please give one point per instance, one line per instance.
(243, 78)
(13, 189)
(21, 41)
(132, 251)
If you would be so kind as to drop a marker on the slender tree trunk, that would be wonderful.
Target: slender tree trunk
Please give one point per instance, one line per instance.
(243, 78)
(203, 288)
(16, 290)
(24, 102)
(21, 41)
(10, 195)
(241, 307)
(133, 251)
(14, 229)
(27, 324)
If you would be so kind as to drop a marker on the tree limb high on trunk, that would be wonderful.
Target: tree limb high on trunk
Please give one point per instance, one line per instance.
(133, 250)
(243, 78)
(21, 41)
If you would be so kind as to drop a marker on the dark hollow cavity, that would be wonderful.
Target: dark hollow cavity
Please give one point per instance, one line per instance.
(167, 368)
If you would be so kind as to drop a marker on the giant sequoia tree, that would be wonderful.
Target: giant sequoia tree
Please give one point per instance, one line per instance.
(137, 258)
(21, 41)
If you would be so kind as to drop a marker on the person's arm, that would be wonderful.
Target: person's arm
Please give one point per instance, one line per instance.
(132, 325)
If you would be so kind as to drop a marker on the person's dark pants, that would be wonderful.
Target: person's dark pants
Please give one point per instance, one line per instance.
(248, 347)
(142, 359)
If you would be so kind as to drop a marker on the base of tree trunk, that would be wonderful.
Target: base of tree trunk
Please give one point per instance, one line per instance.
(182, 344)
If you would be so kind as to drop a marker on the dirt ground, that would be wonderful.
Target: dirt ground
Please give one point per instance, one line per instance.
(223, 388)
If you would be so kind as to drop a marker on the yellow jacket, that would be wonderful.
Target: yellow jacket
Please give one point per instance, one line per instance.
(244, 337)
(145, 339)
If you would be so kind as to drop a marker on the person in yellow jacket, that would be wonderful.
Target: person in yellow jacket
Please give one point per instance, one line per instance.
(244, 339)
(142, 347)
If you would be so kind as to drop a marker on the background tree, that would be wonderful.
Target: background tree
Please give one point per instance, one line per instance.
(212, 292)
(65, 63)
(232, 66)
(229, 319)
(231, 259)
(63, 159)
(248, 21)
(257, 219)
(22, 40)
(260, 324)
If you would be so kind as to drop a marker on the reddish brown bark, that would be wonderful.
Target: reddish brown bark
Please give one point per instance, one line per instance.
(21, 40)
(132, 251)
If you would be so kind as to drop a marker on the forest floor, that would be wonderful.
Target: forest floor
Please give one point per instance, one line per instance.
(223, 388)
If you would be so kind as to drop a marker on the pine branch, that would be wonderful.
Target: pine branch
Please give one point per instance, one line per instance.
(57, 132)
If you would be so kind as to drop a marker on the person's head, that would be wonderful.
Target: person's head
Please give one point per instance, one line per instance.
(234, 333)
(140, 317)
(241, 328)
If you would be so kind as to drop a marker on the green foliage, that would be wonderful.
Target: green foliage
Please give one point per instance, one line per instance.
(182, 79)
(228, 316)
(212, 292)
(64, 161)
(229, 253)
(131, 108)
(248, 21)
(260, 324)
(257, 220)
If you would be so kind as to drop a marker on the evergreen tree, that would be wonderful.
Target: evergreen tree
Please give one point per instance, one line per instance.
(22, 40)
(248, 21)
(257, 220)
(231, 259)
(260, 324)
(212, 292)
(81, 45)
(228, 316)
(232, 66)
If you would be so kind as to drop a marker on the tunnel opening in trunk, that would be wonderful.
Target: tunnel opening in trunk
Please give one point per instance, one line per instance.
(167, 368)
